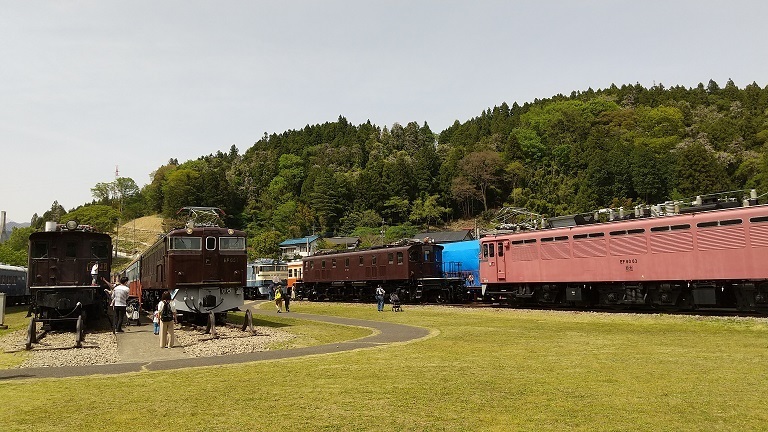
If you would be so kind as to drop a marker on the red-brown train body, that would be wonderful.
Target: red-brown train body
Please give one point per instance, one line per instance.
(204, 268)
(707, 259)
(413, 271)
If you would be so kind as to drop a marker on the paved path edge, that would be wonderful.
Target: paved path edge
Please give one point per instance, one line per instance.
(385, 333)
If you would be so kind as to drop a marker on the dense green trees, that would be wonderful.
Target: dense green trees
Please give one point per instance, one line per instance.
(565, 154)
(560, 155)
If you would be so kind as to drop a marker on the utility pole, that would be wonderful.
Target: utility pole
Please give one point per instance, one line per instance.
(382, 231)
(120, 210)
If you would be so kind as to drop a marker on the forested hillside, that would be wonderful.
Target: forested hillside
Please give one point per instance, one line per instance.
(561, 155)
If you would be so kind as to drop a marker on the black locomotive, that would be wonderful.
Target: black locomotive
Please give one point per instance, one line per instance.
(61, 285)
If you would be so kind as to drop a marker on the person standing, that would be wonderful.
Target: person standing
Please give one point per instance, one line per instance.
(168, 318)
(120, 301)
(287, 298)
(380, 298)
(95, 273)
(278, 299)
(156, 322)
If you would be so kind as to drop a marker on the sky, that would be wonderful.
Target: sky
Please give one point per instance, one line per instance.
(94, 88)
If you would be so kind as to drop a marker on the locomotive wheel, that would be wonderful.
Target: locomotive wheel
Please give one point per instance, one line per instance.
(79, 332)
(31, 334)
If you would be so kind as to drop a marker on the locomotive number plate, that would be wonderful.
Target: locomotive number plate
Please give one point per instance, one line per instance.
(628, 264)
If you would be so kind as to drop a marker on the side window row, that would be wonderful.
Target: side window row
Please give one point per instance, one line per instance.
(361, 261)
(490, 249)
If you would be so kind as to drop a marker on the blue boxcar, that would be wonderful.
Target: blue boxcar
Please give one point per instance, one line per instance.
(461, 259)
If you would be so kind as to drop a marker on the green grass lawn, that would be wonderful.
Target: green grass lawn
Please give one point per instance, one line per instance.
(484, 370)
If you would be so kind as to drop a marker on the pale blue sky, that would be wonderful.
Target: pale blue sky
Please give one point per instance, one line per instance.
(88, 85)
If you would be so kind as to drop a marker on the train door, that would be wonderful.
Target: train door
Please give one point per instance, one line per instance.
(493, 255)
(210, 260)
(429, 260)
(501, 266)
(38, 263)
(374, 267)
(386, 261)
(70, 269)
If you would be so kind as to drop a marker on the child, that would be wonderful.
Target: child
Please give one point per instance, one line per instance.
(156, 322)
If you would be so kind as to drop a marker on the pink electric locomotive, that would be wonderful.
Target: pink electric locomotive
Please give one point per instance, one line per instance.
(690, 260)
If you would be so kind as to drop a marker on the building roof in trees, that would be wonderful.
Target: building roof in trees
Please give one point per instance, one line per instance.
(299, 241)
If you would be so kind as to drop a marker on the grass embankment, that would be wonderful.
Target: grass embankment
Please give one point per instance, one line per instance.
(486, 369)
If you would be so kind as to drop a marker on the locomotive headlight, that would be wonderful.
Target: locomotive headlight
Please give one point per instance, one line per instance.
(230, 231)
(189, 230)
(71, 225)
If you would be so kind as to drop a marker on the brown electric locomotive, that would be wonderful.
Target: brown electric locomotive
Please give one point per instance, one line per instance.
(202, 265)
(413, 270)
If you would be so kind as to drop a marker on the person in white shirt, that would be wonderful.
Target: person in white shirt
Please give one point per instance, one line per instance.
(380, 298)
(120, 295)
(95, 273)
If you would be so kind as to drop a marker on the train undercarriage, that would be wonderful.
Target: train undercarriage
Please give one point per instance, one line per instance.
(425, 290)
(742, 296)
(65, 308)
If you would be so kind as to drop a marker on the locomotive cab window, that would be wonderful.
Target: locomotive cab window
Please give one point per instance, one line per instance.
(373, 259)
(500, 249)
(70, 250)
(390, 258)
(39, 250)
(210, 243)
(485, 250)
(101, 250)
(427, 255)
(360, 259)
(185, 243)
(333, 263)
(399, 258)
(232, 243)
(491, 250)
(346, 262)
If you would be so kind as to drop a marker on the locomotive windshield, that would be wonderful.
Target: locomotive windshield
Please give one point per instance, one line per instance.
(186, 243)
(232, 243)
